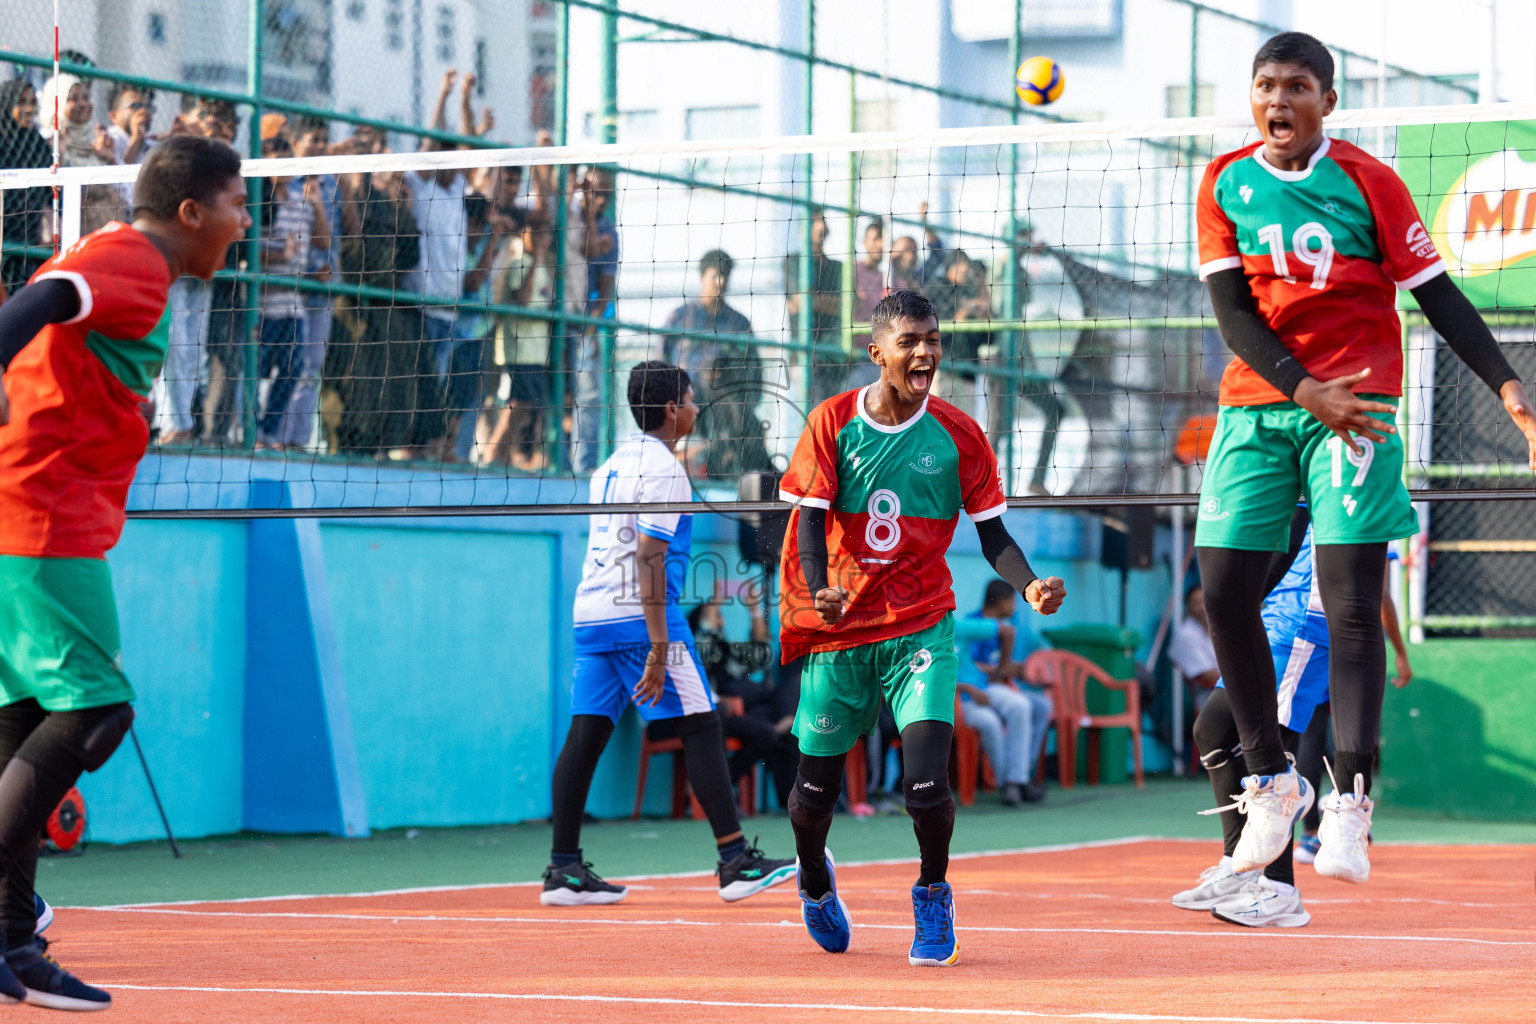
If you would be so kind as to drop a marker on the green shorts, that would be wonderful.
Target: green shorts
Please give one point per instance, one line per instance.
(59, 640)
(1266, 457)
(840, 691)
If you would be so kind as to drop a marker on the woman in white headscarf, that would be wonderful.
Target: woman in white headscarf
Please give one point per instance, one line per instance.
(82, 143)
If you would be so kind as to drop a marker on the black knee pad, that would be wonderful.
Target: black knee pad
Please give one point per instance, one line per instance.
(104, 737)
(810, 800)
(922, 794)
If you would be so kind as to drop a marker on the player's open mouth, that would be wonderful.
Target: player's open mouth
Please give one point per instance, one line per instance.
(920, 377)
(1281, 130)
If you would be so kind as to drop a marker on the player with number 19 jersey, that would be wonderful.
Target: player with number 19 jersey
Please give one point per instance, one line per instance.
(894, 495)
(1324, 250)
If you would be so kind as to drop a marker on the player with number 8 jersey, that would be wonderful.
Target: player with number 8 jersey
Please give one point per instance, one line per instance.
(895, 495)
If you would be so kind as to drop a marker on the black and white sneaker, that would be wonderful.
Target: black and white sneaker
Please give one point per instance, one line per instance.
(48, 984)
(752, 872)
(577, 885)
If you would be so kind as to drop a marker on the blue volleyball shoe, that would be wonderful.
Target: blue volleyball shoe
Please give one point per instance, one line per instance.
(827, 918)
(44, 913)
(933, 912)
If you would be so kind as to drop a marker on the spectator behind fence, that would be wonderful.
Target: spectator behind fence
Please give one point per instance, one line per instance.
(869, 275)
(492, 190)
(130, 110)
(829, 360)
(1191, 650)
(293, 219)
(1012, 721)
(526, 278)
(727, 377)
(83, 143)
(377, 359)
(312, 138)
(227, 336)
(906, 274)
(753, 712)
(26, 217)
(592, 269)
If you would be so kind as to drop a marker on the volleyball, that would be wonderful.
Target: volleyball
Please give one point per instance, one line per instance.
(1039, 81)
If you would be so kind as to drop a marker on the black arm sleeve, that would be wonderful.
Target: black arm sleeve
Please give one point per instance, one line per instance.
(811, 542)
(30, 310)
(1249, 337)
(1452, 316)
(1003, 553)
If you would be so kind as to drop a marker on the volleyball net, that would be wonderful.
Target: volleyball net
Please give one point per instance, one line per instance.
(452, 332)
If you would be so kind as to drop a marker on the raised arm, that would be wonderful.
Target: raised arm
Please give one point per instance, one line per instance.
(1453, 317)
(49, 301)
(1007, 560)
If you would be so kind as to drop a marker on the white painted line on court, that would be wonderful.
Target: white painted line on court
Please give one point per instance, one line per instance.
(1227, 933)
(948, 1011)
(1092, 844)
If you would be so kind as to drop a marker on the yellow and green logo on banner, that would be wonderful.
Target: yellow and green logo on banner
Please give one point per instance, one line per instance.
(1475, 184)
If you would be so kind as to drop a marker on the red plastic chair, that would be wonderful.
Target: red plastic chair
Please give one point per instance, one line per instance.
(683, 800)
(1067, 675)
(964, 758)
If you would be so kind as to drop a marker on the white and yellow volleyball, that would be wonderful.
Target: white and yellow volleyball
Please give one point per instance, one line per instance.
(1039, 81)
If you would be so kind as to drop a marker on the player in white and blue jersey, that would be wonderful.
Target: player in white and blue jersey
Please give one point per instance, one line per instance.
(633, 645)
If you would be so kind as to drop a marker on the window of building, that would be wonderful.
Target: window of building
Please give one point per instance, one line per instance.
(157, 28)
(445, 33)
(394, 24)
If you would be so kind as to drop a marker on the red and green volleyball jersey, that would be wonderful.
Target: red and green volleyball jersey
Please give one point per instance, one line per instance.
(894, 495)
(1325, 250)
(76, 432)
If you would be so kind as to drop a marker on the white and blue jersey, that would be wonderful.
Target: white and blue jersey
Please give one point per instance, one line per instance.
(1298, 639)
(611, 639)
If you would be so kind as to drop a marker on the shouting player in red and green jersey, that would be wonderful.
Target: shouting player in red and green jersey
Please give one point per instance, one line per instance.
(80, 346)
(1304, 243)
(879, 479)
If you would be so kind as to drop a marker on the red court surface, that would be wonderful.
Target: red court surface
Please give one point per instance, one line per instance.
(1440, 934)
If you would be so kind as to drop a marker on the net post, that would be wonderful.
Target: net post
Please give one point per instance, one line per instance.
(559, 328)
(806, 317)
(610, 89)
(849, 282)
(69, 217)
(1013, 341)
(253, 73)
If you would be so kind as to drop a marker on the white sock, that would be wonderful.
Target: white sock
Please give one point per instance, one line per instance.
(1283, 888)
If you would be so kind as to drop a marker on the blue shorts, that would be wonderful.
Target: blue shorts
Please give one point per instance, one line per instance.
(605, 683)
(1301, 677)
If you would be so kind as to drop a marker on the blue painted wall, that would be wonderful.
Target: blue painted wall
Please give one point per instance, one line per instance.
(452, 642)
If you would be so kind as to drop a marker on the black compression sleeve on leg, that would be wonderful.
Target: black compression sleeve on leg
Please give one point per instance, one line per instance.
(1221, 752)
(708, 772)
(574, 768)
(931, 805)
(1309, 761)
(1349, 579)
(1234, 582)
(811, 804)
(49, 761)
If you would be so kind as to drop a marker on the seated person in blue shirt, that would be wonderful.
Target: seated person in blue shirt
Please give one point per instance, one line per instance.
(1011, 720)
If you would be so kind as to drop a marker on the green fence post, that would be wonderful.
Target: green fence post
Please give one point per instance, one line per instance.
(1013, 341)
(559, 329)
(252, 361)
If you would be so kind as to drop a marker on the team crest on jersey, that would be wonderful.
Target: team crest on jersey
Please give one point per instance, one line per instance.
(925, 462)
(920, 661)
(1419, 241)
(824, 724)
(1210, 509)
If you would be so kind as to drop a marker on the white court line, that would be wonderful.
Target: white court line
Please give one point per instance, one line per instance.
(684, 923)
(1092, 844)
(950, 1011)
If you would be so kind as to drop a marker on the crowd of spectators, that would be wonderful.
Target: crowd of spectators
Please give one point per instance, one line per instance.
(361, 328)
